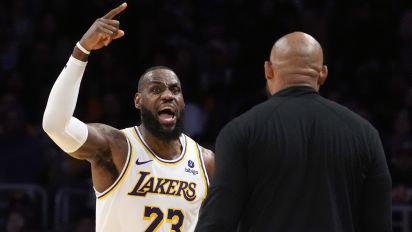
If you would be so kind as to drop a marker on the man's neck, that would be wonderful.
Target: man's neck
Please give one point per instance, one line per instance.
(168, 150)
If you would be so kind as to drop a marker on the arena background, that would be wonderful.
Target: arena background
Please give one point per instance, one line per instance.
(217, 48)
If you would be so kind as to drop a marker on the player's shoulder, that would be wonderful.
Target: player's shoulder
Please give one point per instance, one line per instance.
(346, 114)
(208, 157)
(111, 134)
(352, 120)
(204, 151)
(249, 119)
(207, 153)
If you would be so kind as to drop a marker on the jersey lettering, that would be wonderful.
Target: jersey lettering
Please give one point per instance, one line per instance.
(150, 184)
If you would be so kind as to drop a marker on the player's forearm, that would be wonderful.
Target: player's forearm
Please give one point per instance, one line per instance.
(58, 121)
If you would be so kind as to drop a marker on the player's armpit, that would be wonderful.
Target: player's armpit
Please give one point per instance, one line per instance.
(106, 148)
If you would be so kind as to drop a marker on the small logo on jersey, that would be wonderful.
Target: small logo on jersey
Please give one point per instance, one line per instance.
(142, 162)
(190, 169)
(191, 164)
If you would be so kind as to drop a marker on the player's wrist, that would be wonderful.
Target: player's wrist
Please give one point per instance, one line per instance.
(79, 54)
(83, 49)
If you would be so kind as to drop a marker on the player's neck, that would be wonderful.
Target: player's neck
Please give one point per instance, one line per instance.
(164, 149)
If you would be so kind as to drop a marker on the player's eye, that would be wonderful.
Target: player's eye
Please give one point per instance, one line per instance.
(175, 90)
(155, 90)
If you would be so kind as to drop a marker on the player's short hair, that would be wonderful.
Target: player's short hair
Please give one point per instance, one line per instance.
(149, 70)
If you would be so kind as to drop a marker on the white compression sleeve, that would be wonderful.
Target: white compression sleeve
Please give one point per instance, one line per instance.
(66, 131)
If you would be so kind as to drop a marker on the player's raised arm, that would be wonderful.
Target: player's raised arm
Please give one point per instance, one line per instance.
(66, 131)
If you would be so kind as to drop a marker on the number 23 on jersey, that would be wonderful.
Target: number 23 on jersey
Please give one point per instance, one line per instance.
(174, 216)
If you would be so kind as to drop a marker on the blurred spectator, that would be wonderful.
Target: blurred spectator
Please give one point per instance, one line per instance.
(85, 222)
(21, 215)
(401, 171)
(22, 152)
(194, 120)
(401, 133)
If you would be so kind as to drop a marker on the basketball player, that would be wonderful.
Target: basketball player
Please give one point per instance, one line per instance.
(150, 177)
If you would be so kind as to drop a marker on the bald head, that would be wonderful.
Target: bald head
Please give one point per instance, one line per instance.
(295, 59)
(297, 48)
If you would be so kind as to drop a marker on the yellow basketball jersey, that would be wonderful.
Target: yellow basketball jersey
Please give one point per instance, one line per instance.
(154, 194)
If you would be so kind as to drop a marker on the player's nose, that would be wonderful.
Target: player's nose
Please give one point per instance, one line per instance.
(168, 95)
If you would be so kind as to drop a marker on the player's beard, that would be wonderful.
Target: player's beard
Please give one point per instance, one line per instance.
(152, 124)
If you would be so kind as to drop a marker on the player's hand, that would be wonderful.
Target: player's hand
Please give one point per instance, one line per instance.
(103, 30)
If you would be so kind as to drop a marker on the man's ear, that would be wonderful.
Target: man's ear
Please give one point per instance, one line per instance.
(268, 70)
(323, 75)
(137, 101)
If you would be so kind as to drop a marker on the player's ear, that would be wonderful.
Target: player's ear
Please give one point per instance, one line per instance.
(323, 75)
(137, 100)
(268, 70)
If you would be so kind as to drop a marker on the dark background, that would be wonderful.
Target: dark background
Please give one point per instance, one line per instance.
(217, 48)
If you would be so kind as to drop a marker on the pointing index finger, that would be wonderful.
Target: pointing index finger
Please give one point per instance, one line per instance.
(115, 11)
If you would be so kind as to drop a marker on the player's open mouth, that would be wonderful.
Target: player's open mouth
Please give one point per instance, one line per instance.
(167, 116)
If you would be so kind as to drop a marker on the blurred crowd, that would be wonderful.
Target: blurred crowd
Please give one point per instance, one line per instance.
(217, 48)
